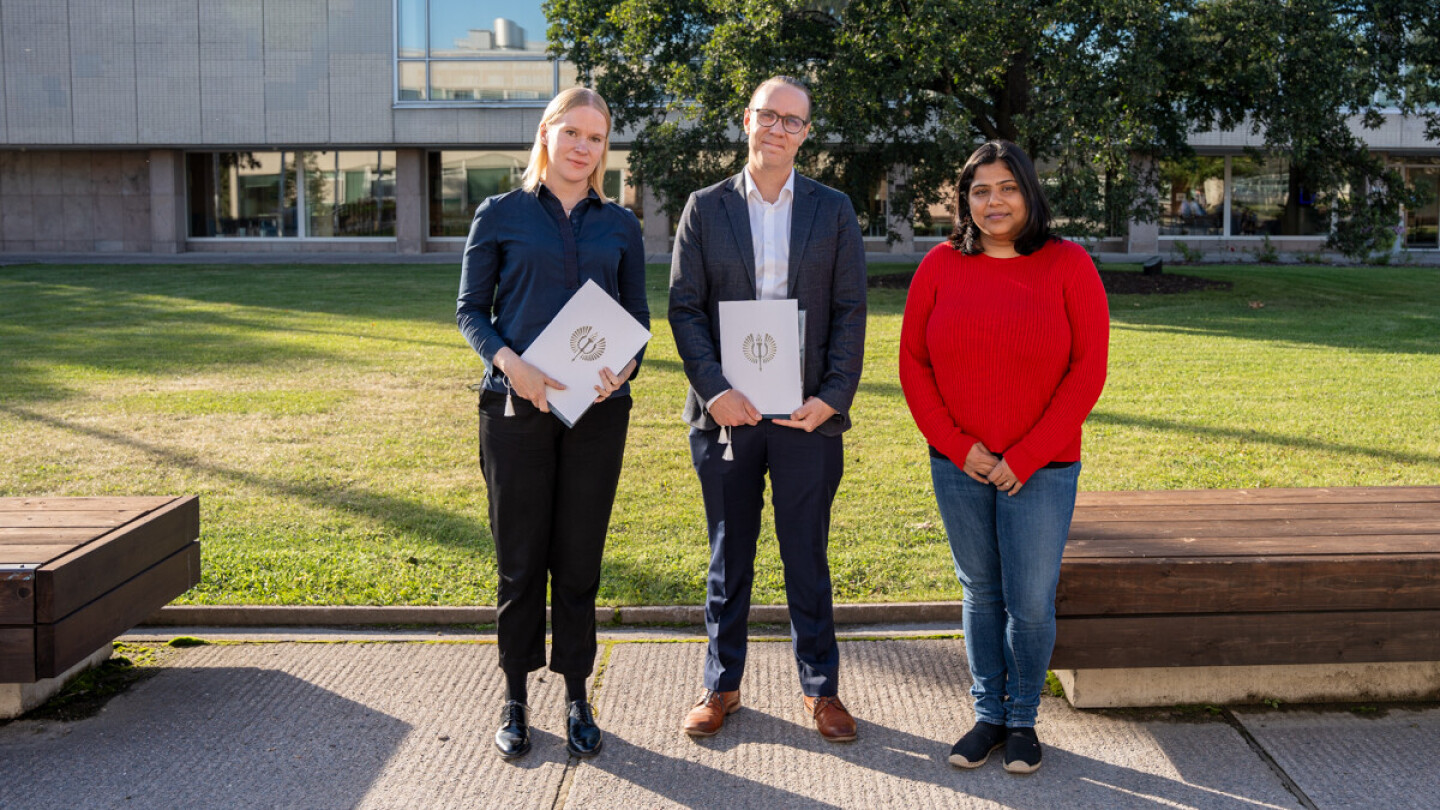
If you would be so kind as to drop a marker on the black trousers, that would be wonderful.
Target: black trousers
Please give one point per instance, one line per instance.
(551, 489)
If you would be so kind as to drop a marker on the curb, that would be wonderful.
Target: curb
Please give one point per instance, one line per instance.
(369, 615)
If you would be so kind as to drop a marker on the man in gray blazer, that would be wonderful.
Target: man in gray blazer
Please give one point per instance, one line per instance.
(768, 233)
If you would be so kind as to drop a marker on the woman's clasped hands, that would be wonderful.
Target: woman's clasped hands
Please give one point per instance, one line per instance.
(988, 468)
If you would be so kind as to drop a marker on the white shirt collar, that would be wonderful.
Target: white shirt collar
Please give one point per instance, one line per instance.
(752, 190)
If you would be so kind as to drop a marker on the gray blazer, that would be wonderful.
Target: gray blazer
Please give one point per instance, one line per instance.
(714, 261)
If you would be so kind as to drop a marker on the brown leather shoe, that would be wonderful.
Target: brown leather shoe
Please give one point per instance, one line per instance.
(831, 719)
(708, 714)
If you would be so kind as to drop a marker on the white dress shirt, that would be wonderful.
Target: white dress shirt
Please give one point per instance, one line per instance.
(770, 236)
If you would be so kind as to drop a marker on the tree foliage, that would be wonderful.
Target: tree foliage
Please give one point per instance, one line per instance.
(1096, 91)
(1303, 74)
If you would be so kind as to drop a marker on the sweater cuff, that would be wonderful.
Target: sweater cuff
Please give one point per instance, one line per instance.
(1022, 464)
(957, 447)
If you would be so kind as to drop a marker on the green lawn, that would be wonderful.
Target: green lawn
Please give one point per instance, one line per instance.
(322, 416)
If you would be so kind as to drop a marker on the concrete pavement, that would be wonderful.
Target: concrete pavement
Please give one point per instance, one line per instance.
(312, 718)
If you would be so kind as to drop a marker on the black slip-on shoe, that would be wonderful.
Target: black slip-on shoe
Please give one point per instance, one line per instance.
(1022, 750)
(582, 736)
(974, 748)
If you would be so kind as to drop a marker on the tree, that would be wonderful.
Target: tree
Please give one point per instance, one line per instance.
(1097, 91)
(1300, 72)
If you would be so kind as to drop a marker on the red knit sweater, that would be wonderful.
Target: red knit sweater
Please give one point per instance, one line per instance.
(1009, 352)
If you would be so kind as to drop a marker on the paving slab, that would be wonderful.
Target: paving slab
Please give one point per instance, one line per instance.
(910, 698)
(1345, 759)
(405, 720)
(395, 725)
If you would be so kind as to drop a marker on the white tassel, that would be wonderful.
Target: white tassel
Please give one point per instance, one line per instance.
(725, 440)
(509, 403)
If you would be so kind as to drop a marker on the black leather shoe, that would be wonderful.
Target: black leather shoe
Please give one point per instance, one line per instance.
(582, 736)
(513, 738)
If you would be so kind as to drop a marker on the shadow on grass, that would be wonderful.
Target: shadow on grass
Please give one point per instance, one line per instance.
(400, 514)
(48, 329)
(1388, 310)
(387, 292)
(1364, 308)
(1253, 435)
(171, 319)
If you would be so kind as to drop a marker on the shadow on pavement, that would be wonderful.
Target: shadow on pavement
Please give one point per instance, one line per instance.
(221, 737)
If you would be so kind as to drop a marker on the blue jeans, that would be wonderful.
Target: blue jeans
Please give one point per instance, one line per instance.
(1007, 553)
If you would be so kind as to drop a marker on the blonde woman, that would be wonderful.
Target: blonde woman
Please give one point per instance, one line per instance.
(550, 487)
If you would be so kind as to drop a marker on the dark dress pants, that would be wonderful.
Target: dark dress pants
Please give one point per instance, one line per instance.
(551, 489)
(805, 470)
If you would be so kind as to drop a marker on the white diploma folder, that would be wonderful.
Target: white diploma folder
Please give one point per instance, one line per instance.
(592, 331)
(760, 353)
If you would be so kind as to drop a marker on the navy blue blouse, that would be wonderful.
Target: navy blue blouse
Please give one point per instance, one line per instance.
(525, 259)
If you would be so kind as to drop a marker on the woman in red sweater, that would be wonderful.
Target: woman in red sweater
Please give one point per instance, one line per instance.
(1002, 356)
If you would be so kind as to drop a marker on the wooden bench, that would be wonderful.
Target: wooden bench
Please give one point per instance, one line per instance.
(77, 572)
(1248, 595)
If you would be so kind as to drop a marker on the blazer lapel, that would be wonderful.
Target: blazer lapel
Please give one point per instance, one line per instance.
(739, 213)
(802, 218)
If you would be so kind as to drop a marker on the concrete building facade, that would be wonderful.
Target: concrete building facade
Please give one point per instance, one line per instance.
(166, 126)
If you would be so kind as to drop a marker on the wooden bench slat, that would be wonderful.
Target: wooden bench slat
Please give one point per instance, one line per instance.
(1109, 587)
(1379, 512)
(49, 536)
(83, 504)
(1186, 497)
(1369, 545)
(100, 518)
(17, 655)
(66, 584)
(1239, 529)
(34, 553)
(61, 645)
(1246, 639)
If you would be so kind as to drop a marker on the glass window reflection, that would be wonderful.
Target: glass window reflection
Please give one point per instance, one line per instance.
(486, 80)
(1422, 223)
(468, 28)
(259, 194)
(460, 180)
(410, 36)
(349, 193)
(241, 194)
(1271, 198)
(1193, 197)
(412, 81)
(459, 51)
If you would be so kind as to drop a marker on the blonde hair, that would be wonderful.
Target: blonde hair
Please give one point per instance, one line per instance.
(561, 104)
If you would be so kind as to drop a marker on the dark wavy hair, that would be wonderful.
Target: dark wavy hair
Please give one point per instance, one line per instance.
(1036, 233)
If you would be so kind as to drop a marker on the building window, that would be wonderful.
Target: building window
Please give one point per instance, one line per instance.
(1269, 197)
(1192, 197)
(1422, 223)
(1239, 196)
(291, 194)
(349, 193)
(459, 181)
(464, 51)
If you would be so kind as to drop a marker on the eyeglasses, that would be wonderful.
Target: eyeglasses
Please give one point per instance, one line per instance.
(793, 123)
